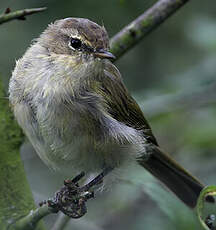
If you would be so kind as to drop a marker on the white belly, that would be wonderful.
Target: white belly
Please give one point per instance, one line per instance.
(67, 144)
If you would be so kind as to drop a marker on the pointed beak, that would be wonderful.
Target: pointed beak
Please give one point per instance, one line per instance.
(104, 54)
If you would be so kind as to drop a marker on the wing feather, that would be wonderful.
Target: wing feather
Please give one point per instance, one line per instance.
(120, 104)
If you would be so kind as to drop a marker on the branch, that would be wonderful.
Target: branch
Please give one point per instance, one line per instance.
(19, 14)
(143, 25)
(70, 199)
(30, 221)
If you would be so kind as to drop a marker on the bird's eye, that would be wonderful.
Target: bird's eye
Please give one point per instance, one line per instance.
(75, 43)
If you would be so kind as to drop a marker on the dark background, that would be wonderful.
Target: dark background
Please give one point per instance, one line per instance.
(171, 73)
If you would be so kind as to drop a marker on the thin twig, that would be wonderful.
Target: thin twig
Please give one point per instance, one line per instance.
(144, 24)
(19, 14)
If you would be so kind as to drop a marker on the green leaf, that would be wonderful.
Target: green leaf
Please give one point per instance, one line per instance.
(207, 191)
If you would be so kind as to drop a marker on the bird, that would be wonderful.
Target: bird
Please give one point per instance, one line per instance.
(71, 102)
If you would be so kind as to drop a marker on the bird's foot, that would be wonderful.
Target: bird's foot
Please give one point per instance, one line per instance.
(71, 198)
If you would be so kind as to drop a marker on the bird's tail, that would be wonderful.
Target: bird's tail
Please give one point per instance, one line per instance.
(186, 187)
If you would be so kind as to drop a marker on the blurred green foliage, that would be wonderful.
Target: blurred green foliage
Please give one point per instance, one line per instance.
(171, 73)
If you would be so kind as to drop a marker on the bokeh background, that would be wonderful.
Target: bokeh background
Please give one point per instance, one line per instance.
(171, 73)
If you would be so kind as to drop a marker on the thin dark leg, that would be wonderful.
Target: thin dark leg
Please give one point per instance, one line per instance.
(96, 180)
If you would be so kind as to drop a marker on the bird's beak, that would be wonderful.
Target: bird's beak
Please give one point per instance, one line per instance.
(104, 54)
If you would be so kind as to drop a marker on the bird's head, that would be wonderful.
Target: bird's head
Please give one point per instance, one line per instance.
(77, 37)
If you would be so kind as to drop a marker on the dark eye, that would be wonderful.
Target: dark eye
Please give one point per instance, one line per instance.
(75, 43)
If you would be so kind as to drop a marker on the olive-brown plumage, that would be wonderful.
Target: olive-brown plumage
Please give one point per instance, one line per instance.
(76, 111)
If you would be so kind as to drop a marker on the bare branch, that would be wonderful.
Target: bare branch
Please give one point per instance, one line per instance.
(19, 14)
(143, 25)
(30, 221)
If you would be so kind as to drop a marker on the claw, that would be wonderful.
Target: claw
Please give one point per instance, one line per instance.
(71, 199)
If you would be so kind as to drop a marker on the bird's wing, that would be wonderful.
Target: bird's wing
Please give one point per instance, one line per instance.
(119, 103)
(122, 107)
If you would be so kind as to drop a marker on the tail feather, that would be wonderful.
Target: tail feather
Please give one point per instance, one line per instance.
(186, 187)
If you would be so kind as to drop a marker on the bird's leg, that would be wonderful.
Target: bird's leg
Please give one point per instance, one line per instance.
(97, 180)
(71, 198)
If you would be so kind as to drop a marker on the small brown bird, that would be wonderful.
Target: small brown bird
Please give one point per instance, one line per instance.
(73, 106)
